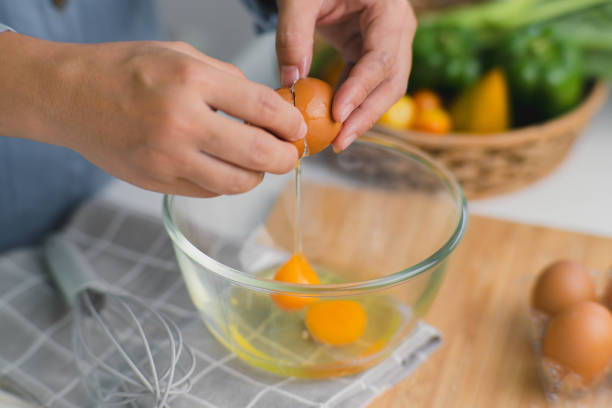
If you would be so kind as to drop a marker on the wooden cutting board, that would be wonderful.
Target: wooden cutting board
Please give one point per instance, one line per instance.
(485, 359)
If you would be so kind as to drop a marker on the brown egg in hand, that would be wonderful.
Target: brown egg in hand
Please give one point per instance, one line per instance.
(560, 285)
(313, 98)
(579, 340)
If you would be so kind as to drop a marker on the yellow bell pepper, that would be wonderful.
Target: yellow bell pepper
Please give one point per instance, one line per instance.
(483, 107)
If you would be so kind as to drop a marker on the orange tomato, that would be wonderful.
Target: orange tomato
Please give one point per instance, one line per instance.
(336, 322)
(435, 120)
(425, 99)
(295, 270)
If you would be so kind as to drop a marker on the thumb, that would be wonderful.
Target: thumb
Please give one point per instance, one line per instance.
(294, 38)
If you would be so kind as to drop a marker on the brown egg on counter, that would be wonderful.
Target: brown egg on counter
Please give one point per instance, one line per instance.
(579, 340)
(562, 284)
(313, 98)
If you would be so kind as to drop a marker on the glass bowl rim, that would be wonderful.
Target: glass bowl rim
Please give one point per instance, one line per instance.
(339, 289)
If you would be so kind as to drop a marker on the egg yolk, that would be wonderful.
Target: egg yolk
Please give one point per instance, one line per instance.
(336, 322)
(295, 270)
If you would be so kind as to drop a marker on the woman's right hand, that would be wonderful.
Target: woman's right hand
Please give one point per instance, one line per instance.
(146, 113)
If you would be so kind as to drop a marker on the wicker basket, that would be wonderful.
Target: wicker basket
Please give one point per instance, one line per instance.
(491, 164)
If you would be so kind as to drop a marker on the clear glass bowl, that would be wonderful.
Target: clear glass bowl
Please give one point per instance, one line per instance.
(378, 224)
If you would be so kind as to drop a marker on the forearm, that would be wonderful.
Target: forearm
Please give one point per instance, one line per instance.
(146, 112)
(30, 87)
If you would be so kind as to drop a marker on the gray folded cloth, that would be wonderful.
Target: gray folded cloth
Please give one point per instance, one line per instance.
(132, 251)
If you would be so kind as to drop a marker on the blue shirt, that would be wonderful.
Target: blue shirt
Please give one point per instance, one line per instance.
(41, 184)
(83, 21)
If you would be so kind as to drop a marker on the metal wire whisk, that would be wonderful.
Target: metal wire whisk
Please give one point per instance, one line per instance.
(127, 353)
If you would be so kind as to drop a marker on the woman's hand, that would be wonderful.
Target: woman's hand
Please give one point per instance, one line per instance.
(375, 38)
(146, 113)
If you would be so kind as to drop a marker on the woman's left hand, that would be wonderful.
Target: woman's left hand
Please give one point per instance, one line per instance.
(375, 38)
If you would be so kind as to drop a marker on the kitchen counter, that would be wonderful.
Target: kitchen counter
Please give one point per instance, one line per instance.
(577, 196)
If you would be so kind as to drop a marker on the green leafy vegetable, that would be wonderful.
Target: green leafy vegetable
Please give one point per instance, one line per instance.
(544, 72)
(585, 23)
(445, 58)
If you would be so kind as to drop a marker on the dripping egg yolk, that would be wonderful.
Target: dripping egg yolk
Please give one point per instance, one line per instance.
(336, 322)
(295, 270)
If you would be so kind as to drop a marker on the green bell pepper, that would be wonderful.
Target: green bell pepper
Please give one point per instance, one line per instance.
(444, 58)
(544, 72)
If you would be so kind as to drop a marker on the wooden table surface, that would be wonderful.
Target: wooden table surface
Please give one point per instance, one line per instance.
(485, 359)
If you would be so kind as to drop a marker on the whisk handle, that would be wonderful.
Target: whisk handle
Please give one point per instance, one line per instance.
(69, 268)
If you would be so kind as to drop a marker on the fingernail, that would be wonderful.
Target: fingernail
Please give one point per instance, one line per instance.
(348, 109)
(288, 75)
(349, 139)
(302, 132)
(303, 71)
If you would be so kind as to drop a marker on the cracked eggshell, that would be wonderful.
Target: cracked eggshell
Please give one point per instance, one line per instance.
(313, 98)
